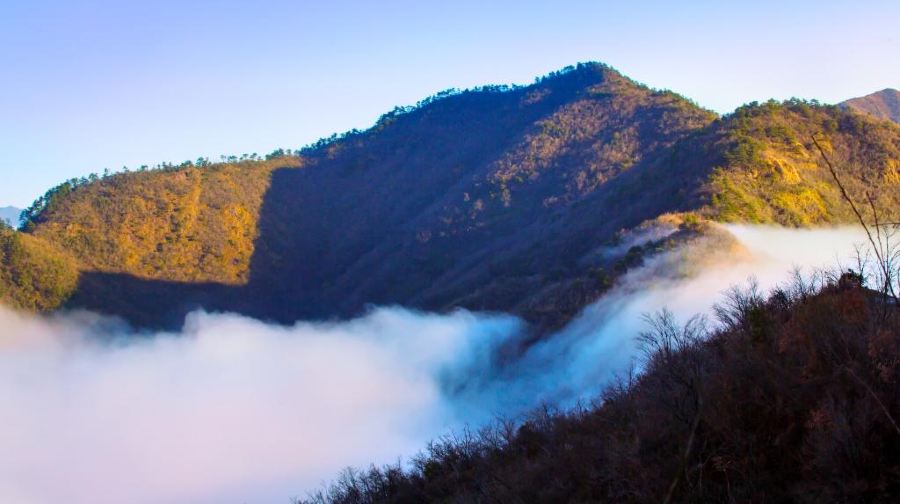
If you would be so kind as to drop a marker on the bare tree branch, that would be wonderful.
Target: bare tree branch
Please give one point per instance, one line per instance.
(884, 262)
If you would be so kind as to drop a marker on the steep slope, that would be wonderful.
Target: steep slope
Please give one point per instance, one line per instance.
(766, 168)
(795, 399)
(187, 223)
(467, 197)
(528, 200)
(884, 104)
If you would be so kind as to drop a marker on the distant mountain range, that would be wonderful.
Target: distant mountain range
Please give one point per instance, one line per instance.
(528, 200)
(10, 215)
(884, 104)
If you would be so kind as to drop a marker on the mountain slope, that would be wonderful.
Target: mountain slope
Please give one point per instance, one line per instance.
(884, 104)
(528, 200)
(34, 275)
(794, 399)
(468, 196)
(462, 193)
(767, 169)
(186, 224)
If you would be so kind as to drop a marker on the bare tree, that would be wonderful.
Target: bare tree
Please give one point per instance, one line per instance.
(882, 236)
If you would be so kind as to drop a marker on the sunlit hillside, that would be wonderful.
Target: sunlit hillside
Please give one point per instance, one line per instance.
(884, 104)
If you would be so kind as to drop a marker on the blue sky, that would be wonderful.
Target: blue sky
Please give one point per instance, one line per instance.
(89, 84)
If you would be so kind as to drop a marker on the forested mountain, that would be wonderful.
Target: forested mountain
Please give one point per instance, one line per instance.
(528, 200)
(884, 104)
(768, 170)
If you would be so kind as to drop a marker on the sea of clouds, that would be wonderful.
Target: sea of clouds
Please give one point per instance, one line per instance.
(231, 409)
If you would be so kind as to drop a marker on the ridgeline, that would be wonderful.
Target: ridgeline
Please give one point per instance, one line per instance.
(498, 198)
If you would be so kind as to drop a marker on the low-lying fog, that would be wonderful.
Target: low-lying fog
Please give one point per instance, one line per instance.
(234, 410)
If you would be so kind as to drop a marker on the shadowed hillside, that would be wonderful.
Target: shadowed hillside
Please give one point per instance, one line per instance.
(468, 200)
(529, 200)
(794, 399)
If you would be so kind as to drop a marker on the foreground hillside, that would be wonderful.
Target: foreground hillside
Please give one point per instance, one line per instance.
(795, 399)
(529, 200)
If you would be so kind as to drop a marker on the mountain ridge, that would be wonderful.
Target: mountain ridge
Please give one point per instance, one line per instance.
(884, 104)
(496, 199)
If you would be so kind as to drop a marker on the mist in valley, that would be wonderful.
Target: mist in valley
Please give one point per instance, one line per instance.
(231, 409)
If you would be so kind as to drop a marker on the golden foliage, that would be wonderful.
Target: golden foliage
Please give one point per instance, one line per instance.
(193, 224)
(770, 172)
(34, 274)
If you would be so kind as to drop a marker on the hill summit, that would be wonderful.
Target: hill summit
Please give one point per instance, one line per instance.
(884, 104)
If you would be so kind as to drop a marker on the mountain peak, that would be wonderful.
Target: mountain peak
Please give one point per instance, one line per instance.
(499, 198)
(884, 104)
(588, 74)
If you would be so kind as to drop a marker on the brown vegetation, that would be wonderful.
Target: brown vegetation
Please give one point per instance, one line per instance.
(190, 223)
(771, 172)
(795, 398)
(884, 104)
